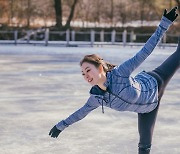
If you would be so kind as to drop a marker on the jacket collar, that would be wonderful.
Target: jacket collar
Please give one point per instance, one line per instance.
(95, 90)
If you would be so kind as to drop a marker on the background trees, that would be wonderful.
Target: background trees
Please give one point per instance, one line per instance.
(61, 13)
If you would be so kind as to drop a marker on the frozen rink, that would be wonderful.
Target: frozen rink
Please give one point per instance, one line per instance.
(43, 85)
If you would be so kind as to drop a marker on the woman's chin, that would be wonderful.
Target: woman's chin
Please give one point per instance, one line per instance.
(92, 84)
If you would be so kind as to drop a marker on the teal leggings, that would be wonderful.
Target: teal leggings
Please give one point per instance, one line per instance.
(146, 121)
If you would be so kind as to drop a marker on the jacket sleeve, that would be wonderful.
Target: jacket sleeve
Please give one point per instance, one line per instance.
(126, 68)
(90, 105)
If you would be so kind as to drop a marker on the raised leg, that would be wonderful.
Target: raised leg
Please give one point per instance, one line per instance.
(168, 68)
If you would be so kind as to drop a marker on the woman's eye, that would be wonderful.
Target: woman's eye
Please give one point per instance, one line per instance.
(83, 74)
(88, 70)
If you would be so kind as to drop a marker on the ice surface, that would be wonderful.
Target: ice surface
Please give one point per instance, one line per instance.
(43, 85)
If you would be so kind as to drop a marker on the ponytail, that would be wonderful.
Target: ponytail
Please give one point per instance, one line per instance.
(109, 66)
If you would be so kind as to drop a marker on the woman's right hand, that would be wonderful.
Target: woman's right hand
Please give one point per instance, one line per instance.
(171, 15)
(54, 132)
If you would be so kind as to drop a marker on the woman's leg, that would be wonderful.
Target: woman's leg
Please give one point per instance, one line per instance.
(146, 124)
(146, 121)
(168, 68)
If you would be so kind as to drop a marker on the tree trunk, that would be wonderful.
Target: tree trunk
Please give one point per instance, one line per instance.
(112, 12)
(28, 13)
(71, 15)
(58, 12)
(12, 12)
(142, 12)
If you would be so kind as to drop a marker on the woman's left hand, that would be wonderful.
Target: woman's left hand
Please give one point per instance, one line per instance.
(171, 15)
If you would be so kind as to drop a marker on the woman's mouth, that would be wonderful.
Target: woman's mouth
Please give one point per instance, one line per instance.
(90, 80)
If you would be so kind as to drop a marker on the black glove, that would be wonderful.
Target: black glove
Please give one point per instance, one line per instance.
(54, 132)
(171, 15)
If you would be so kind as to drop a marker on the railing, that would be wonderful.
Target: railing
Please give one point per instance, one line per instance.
(77, 38)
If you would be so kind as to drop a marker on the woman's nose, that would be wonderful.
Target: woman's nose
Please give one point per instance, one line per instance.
(87, 76)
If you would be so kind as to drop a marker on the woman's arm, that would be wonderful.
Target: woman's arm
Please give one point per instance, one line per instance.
(130, 65)
(78, 115)
(126, 68)
(91, 104)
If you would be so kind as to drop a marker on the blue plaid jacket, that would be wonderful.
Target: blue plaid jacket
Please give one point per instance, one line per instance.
(125, 93)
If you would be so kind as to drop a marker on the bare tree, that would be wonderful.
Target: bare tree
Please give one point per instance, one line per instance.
(112, 12)
(97, 11)
(84, 12)
(28, 12)
(122, 12)
(146, 8)
(67, 25)
(4, 15)
(142, 5)
(59, 14)
(11, 11)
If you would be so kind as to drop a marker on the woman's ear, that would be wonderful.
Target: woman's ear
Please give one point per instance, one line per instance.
(101, 69)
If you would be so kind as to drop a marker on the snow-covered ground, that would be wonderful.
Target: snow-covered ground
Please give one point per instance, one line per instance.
(43, 85)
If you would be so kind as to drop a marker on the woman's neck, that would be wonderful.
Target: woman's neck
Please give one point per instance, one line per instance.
(102, 81)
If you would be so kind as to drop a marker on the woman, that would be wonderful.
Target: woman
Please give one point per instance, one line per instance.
(112, 86)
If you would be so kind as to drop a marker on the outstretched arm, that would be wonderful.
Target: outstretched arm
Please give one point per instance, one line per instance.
(91, 104)
(126, 68)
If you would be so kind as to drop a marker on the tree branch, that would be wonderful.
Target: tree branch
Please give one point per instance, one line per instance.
(71, 15)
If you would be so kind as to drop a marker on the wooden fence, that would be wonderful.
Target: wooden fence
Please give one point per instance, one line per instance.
(77, 38)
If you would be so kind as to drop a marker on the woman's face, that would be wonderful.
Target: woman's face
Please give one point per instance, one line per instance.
(91, 74)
